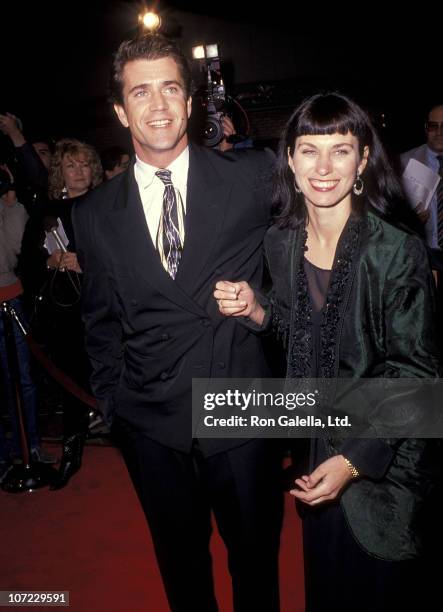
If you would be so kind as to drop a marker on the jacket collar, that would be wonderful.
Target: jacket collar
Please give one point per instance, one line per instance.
(207, 197)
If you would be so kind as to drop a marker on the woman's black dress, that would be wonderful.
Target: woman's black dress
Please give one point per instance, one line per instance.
(336, 567)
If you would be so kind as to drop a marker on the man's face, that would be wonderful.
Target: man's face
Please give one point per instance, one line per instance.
(434, 129)
(155, 109)
(42, 150)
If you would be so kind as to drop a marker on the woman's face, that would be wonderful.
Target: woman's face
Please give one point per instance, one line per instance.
(325, 167)
(77, 174)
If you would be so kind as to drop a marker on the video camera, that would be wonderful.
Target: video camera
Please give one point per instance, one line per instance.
(214, 106)
(211, 103)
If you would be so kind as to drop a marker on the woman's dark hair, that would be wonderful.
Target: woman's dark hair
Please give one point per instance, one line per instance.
(148, 47)
(332, 113)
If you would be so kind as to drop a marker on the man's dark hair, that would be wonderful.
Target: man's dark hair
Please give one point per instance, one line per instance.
(331, 113)
(148, 47)
(111, 156)
(35, 137)
(436, 104)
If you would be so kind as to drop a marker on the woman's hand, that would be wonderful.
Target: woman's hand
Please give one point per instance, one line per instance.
(325, 483)
(238, 300)
(54, 260)
(69, 261)
(63, 261)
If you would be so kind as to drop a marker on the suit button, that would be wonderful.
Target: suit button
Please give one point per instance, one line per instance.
(165, 336)
(163, 376)
(221, 365)
(134, 302)
(219, 271)
(205, 322)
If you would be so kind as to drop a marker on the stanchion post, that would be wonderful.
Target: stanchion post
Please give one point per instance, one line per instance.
(14, 371)
(29, 475)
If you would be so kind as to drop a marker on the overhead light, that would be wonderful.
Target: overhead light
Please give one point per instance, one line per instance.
(150, 21)
(211, 51)
(205, 51)
(198, 52)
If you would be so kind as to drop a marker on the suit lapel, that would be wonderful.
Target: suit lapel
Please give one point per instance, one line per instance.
(206, 203)
(133, 243)
(422, 155)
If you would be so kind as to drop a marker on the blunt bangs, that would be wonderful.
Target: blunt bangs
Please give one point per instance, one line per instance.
(330, 114)
(326, 114)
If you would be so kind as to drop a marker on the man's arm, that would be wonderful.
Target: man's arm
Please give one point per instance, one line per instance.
(30, 163)
(32, 166)
(101, 315)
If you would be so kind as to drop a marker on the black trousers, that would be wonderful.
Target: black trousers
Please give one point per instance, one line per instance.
(341, 577)
(440, 314)
(178, 491)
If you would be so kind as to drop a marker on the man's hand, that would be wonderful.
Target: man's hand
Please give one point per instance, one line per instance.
(228, 130)
(9, 126)
(238, 300)
(325, 483)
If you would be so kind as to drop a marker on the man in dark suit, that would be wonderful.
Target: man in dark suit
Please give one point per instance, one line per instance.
(152, 243)
(430, 154)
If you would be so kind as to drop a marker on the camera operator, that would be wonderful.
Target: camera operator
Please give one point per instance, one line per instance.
(215, 114)
(204, 130)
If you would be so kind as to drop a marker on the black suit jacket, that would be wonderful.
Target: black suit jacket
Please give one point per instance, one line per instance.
(148, 335)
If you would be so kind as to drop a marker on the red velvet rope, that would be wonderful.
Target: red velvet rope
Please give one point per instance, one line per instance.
(67, 383)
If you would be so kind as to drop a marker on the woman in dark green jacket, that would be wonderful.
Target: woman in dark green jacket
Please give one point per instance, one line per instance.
(352, 297)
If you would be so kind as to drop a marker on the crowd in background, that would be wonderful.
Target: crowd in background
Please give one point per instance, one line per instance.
(39, 181)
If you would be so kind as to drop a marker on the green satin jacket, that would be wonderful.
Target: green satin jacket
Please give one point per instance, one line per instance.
(378, 321)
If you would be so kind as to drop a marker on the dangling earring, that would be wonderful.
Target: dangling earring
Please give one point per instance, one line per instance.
(297, 190)
(64, 193)
(358, 185)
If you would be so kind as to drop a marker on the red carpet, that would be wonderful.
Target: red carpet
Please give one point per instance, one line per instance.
(91, 539)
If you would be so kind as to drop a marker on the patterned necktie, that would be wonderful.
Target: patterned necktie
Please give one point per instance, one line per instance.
(440, 203)
(169, 242)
